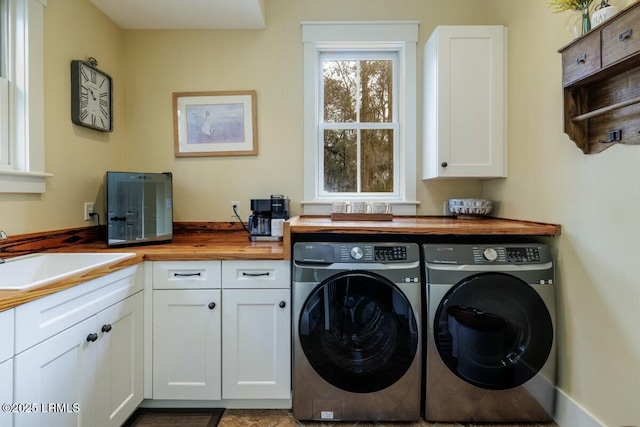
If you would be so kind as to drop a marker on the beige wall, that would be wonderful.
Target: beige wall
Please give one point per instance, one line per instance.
(269, 61)
(593, 197)
(77, 157)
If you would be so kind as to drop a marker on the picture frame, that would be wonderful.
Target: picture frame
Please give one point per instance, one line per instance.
(222, 123)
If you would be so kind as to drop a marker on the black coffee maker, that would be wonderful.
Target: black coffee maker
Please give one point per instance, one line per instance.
(267, 221)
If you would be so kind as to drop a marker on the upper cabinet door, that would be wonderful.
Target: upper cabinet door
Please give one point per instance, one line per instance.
(464, 128)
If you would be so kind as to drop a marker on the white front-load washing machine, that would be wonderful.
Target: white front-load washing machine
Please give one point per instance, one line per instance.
(490, 351)
(356, 331)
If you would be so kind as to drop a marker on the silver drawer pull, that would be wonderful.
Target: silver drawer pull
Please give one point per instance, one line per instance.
(255, 274)
(581, 59)
(186, 274)
(622, 37)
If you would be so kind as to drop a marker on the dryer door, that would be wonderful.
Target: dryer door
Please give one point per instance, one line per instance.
(358, 331)
(493, 330)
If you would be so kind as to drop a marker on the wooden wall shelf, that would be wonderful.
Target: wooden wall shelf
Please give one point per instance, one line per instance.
(601, 83)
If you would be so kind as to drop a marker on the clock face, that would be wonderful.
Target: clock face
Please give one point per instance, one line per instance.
(91, 97)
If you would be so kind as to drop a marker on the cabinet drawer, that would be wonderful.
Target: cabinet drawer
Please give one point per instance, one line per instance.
(6, 332)
(186, 275)
(45, 317)
(621, 37)
(581, 59)
(256, 274)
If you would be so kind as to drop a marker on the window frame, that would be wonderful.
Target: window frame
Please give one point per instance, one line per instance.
(23, 105)
(396, 36)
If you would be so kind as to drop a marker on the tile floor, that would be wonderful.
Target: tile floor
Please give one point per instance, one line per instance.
(284, 418)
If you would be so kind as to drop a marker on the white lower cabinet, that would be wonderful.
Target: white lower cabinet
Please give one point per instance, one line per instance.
(229, 339)
(6, 391)
(186, 344)
(59, 371)
(7, 329)
(87, 374)
(256, 330)
(120, 361)
(256, 337)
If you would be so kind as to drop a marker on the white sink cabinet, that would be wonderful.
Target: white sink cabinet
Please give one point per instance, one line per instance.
(256, 332)
(6, 364)
(80, 353)
(465, 103)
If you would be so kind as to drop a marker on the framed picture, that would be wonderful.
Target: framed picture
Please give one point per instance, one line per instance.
(215, 123)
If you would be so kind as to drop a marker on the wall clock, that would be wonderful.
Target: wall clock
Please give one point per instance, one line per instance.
(91, 96)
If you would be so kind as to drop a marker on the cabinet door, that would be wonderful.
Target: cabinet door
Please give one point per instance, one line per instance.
(464, 84)
(257, 341)
(7, 328)
(59, 375)
(6, 391)
(119, 361)
(186, 344)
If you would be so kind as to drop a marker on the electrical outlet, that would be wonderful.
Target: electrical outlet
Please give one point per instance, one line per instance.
(235, 208)
(88, 209)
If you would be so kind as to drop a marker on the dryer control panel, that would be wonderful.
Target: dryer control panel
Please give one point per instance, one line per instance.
(487, 254)
(506, 254)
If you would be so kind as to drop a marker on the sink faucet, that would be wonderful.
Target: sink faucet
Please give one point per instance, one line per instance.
(3, 236)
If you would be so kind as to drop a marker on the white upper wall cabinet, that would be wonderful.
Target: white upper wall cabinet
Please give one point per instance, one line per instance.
(464, 126)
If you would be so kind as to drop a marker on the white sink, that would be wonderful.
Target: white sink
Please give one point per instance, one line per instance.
(27, 271)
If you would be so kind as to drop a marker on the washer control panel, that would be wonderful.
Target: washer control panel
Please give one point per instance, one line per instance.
(356, 252)
(372, 253)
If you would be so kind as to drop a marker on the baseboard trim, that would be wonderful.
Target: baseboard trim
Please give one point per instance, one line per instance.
(570, 413)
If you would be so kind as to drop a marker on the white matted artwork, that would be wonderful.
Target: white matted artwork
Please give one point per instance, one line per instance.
(215, 123)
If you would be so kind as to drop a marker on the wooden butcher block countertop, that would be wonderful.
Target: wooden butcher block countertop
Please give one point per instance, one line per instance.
(210, 241)
(433, 225)
(184, 247)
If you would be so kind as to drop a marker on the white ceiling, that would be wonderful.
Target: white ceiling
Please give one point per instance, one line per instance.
(184, 14)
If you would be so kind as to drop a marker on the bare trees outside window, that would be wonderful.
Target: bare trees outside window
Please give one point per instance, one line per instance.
(359, 126)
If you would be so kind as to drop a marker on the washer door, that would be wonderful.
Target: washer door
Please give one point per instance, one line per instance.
(358, 332)
(493, 330)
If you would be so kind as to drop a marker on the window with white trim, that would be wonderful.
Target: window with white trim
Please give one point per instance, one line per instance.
(360, 114)
(22, 97)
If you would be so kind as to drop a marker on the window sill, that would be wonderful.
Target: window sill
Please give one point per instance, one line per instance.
(23, 182)
(315, 207)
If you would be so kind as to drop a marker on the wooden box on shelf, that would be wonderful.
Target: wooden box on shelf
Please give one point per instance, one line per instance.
(601, 83)
(361, 216)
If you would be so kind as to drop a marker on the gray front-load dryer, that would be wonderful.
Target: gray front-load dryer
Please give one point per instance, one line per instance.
(357, 350)
(490, 352)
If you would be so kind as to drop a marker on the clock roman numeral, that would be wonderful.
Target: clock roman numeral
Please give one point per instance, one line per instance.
(84, 114)
(103, 102)
(93, 119)
(104, 111)
(103, 95)
(94, 77)
(84, 74)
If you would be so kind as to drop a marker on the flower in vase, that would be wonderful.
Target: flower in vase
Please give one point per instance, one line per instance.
(564, 5)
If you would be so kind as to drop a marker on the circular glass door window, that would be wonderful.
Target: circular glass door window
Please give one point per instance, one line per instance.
(358, 331)
(493, 330)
